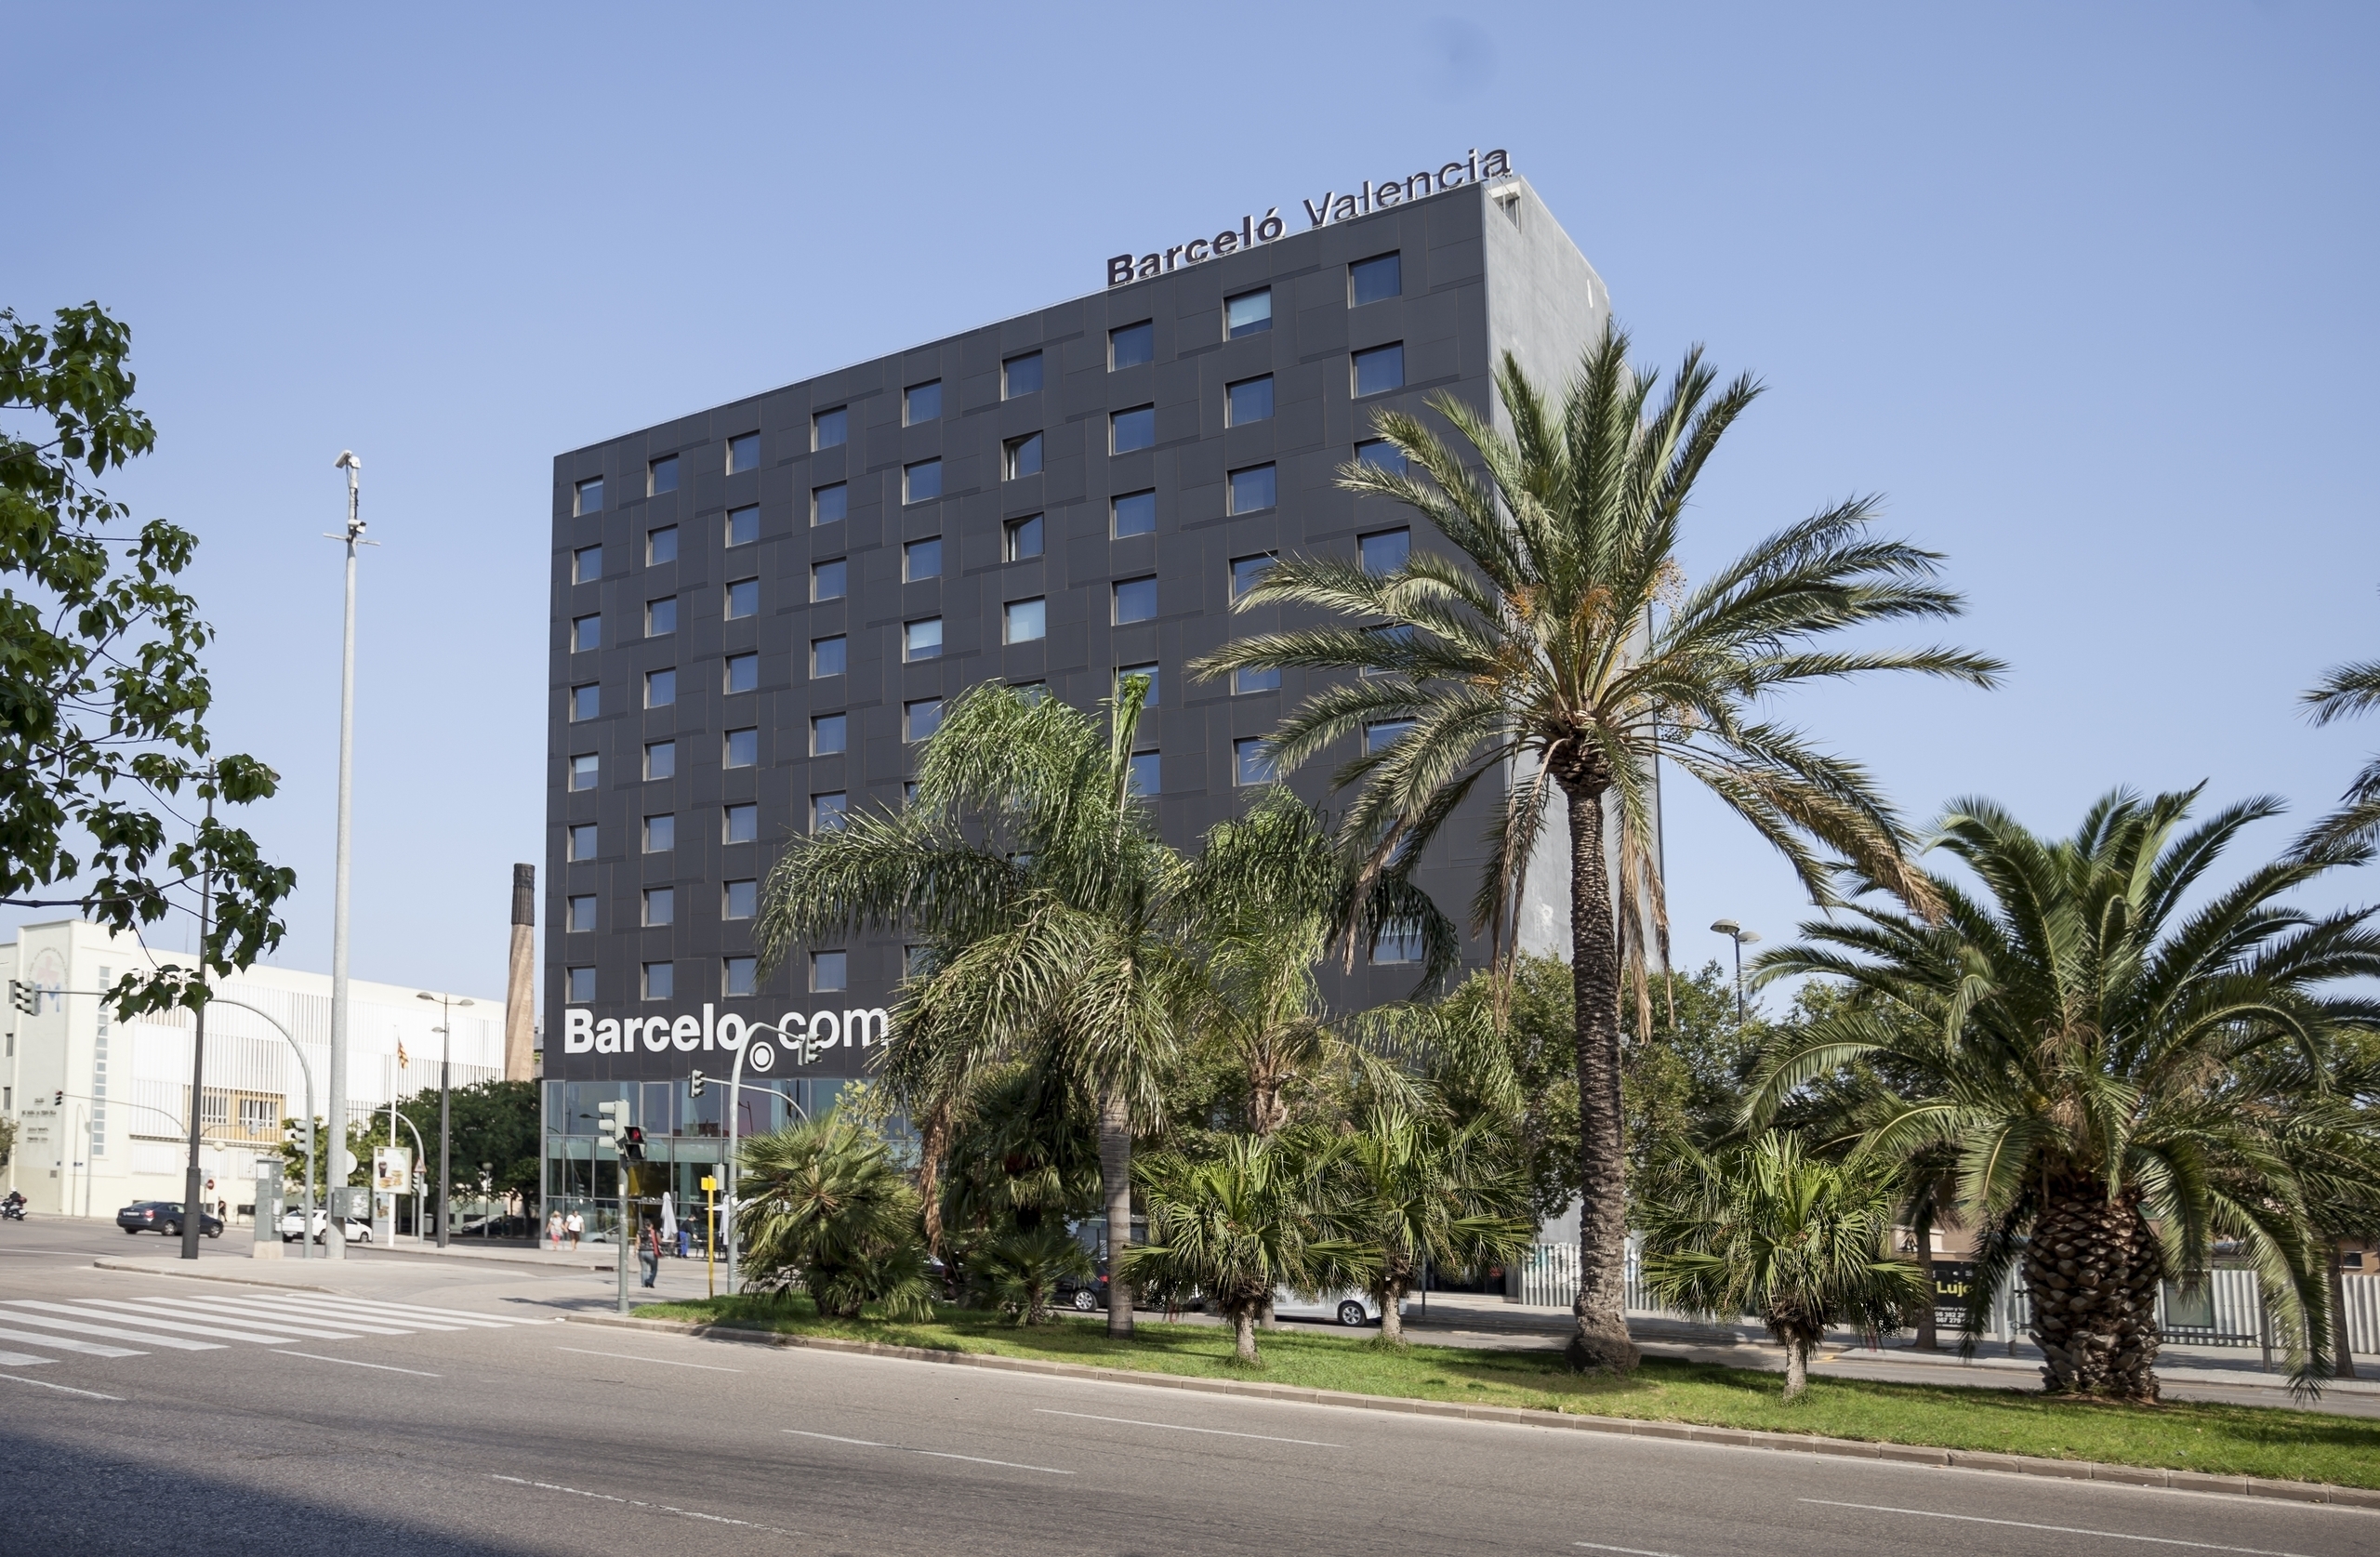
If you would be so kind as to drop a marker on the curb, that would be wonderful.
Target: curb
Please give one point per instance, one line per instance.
(1788, 1443)
(209, 1275)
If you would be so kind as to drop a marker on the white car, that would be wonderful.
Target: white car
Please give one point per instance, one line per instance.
(293, 1227)
(1344, 1308)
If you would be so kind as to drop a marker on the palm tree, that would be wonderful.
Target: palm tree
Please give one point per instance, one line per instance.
(826, 1208)
(2351, 689)
(1407, 1188)
(1033, 869)
(1538, 653)
(1021, 1269)
(2103, 1061)
(1765, 1228)
(1227, 1231)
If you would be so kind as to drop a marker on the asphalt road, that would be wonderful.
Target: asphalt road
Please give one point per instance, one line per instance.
(286, 1422)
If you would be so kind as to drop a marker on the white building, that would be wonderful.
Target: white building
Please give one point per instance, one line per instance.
(102, 1106)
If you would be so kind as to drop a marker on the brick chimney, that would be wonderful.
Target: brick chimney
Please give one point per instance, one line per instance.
(520, 988)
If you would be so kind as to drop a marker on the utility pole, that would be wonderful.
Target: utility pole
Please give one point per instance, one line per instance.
(194, 1181)
(446, 1004)
(334, 1230)
(1743, 938)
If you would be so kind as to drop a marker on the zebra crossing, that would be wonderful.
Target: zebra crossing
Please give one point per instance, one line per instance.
(34, 1331)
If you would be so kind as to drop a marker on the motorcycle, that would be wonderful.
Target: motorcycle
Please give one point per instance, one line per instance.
(12, 1210)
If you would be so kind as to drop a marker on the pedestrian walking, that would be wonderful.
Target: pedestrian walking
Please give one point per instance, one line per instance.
(648, 1251)
(574, 1226)
(554, 1232)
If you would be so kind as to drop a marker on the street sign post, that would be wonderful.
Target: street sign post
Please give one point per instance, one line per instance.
(267, 1245)
(610, 1122)
(710, 1231)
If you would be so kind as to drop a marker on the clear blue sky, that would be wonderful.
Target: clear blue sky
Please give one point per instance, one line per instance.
(2088, 292)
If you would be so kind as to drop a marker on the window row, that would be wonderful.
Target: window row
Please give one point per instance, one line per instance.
(829, 975)
(657, 906)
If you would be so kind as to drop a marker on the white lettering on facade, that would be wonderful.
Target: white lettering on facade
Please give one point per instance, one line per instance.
(859, 1027)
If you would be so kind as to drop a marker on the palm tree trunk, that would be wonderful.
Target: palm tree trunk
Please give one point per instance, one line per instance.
(1243, 1326)
(1797, 1366)
(1599, 1343)
(1392, 1324)
(2093, 1266)
(1927, 1338)
(933, 1141)
(1116, 1184)
(2342, 1342)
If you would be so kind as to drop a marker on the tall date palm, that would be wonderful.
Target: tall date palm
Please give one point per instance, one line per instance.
(1561, 645)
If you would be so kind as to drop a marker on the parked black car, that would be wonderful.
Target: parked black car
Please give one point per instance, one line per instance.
(164, 1215)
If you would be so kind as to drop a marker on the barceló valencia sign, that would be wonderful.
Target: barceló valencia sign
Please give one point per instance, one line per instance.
(1335, 206)
(860, 1027)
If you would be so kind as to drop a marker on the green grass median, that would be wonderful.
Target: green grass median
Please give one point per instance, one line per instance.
(2228, 1439)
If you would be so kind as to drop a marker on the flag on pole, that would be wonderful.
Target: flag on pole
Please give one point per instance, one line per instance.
(403, 1061)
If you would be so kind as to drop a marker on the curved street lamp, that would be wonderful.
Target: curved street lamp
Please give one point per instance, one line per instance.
(805, 1052)
(1743, 938)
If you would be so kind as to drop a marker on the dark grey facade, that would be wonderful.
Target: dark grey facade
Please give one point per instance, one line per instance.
(1481, 269)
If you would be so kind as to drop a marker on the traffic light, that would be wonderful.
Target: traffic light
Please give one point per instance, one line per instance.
(59, 1100)
(609, 1117)
(694, 1083)
(632, 1143)
(24, 996)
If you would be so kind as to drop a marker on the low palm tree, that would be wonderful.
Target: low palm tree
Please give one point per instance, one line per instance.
(1227, 1231)
(823, 1207)
(2104, 1060)
(1560, 647)
(1021, 1269)
(1765, 1228)
(1033, 869)
(1408, 1188)
(2350, 690)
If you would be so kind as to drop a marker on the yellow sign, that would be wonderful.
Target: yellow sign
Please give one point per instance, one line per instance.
(710, 1184)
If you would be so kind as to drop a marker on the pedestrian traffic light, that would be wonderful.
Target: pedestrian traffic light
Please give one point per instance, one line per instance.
(24, 996)
(609, 1117)
(632, 1143)
(694, 1083)
(59, 1100)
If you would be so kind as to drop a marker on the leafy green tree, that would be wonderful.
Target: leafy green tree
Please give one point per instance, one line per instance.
(1227, 1231)
(2102, 1058)
(493, 1122)
(1764, 1228)
(1021, 1269)
(1561, 647)
(103, 697)
(1054, 911)
(823, 1207)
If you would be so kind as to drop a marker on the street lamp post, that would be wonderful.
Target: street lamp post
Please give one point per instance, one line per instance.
(1743, 938)
(446, 1005)
(767, 1059)
(334, 1233)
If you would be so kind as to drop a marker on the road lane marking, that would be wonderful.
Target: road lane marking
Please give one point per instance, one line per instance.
(68, 1343)
(931, 1453)
(1631, 1551)
(634, 1503)
(350, 1362)
(1177, 1427)
(24, 1359)
(371, 1321)
(62, 1389)
(216, 1330)
(400, 1312)
(628, 1357)
(169, 1309)
(2059, 1529)
(173, 1342)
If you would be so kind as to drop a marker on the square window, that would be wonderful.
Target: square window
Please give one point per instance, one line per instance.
(1389, 638)
(916, 961)
(1131, 345)
(742, 672)
(1384, 551)
(1386, 733)
(586, 632)
(1024, 621)
(581, 913)
(828, 975)
(1250, 399)
(586, 702)
(1249, 313)
(743, 452)
(826, 811)
(586, 564)
(744, 525)
(921, 718)
(922, 482)
(827, 656)
(921, 560)
(1246, 680)
(660, 981)
(1256, 487)
(661, 475)
(1141, 778)
(827, 579)
(1032, 691)
(661, 618)
(1381, 454)
(660, 833)
(740, 748)
(922, 402)
(831, 503)
(1380, 369)
(661, 759)
(1021, 456)
(660, 907)
(736, 974)
(589, 495)
(660, 545)
(828, 733)
(830, 429)
(660, 688)
(579, 840)
(1020, 538)
(908, 792)
(1399, 942)
(1250, 761)
(740, 823)
(1020, 375)
(738, 898)
(581, 982)
(1374, 279)
(1136, 514)
(1245, 571)
(1136, 599)
(584, 768)
(1128, 430)
(921, 639)
(1149, 698)
(742, 598)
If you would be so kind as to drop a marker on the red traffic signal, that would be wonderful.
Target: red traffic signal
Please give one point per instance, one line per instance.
(632, 1143)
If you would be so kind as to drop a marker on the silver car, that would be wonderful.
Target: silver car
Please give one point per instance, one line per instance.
(293, 1227)
(1350, 1308)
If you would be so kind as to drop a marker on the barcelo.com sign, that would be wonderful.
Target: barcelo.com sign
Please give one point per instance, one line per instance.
(859, 1027)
